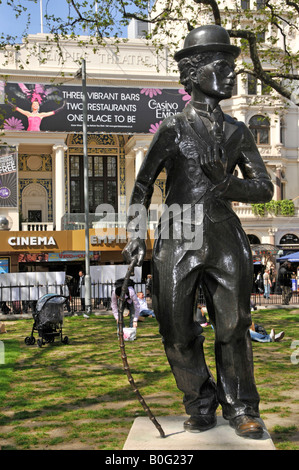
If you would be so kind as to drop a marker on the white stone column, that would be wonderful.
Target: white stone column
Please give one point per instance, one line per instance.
(59, 186)
(135, 151)
(139, 157)
(272, 231)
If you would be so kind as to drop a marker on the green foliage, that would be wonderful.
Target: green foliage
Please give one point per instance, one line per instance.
(284, 207)
(258, 209)
(11, 351)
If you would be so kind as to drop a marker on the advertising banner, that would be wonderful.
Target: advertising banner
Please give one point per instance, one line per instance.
(4, 265)
(36, 107)
(8, 177)
(73, 256)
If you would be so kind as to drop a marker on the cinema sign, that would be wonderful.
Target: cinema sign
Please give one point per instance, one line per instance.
(31, 241)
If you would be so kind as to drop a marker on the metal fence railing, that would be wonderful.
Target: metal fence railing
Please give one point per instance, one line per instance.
(275, 299)
(18, 299)
(258, 299)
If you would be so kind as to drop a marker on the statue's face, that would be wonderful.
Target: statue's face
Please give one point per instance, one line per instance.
(217, 78)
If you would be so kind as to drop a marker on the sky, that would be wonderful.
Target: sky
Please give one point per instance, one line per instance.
(10, 25)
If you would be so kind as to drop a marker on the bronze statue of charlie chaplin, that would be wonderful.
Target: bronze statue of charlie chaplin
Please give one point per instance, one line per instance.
(200, 149)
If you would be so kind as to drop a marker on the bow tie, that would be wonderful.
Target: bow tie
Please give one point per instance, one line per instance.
(215, 116)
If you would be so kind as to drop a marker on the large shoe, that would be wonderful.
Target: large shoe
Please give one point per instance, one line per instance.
(272, 335)
(247, 426)
(200, 423)
(279, 336)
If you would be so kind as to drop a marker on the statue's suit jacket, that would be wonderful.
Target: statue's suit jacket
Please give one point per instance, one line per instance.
(222, 265)
(177, 146)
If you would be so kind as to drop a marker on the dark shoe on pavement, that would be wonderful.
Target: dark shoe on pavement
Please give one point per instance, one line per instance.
(247, 426)
(200, 423)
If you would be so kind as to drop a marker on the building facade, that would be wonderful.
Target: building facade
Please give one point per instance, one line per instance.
(129, 93)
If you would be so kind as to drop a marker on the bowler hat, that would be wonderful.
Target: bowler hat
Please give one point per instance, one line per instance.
(207, 38)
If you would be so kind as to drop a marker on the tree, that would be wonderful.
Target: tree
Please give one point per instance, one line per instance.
(274, 61)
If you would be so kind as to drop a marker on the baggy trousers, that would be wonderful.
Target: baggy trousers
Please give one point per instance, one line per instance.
(223, 267)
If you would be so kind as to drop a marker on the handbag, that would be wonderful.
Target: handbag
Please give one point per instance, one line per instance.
(129, 334)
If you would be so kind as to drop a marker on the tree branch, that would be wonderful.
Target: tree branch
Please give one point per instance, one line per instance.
(259, 72)
(215, 9)
(84, 19)
(286, 76)
(293, 4)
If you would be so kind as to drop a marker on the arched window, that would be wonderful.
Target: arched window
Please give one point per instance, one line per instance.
(260, 128)
(35, 203)
(289, 239)
(253, 239)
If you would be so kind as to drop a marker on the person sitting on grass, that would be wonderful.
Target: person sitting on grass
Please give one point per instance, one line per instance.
(144, 310)
(259, 334)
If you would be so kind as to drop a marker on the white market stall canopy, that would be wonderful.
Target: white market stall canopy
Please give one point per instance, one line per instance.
(31, 286)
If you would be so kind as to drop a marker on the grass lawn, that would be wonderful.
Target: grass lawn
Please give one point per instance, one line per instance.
(77, 396)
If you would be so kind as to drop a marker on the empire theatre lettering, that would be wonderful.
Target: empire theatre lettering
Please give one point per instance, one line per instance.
(123, 110)
(102, 58)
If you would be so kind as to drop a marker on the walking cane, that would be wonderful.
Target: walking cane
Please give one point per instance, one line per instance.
(121, 306)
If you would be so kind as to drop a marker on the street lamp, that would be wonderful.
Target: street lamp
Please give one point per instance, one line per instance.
(87, 279)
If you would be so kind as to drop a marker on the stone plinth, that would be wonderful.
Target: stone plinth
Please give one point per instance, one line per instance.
(144, 436)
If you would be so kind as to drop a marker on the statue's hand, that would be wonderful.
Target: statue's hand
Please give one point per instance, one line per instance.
(214, 164)
(135, 248)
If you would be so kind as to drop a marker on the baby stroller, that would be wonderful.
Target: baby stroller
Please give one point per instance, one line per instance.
(48, 320)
